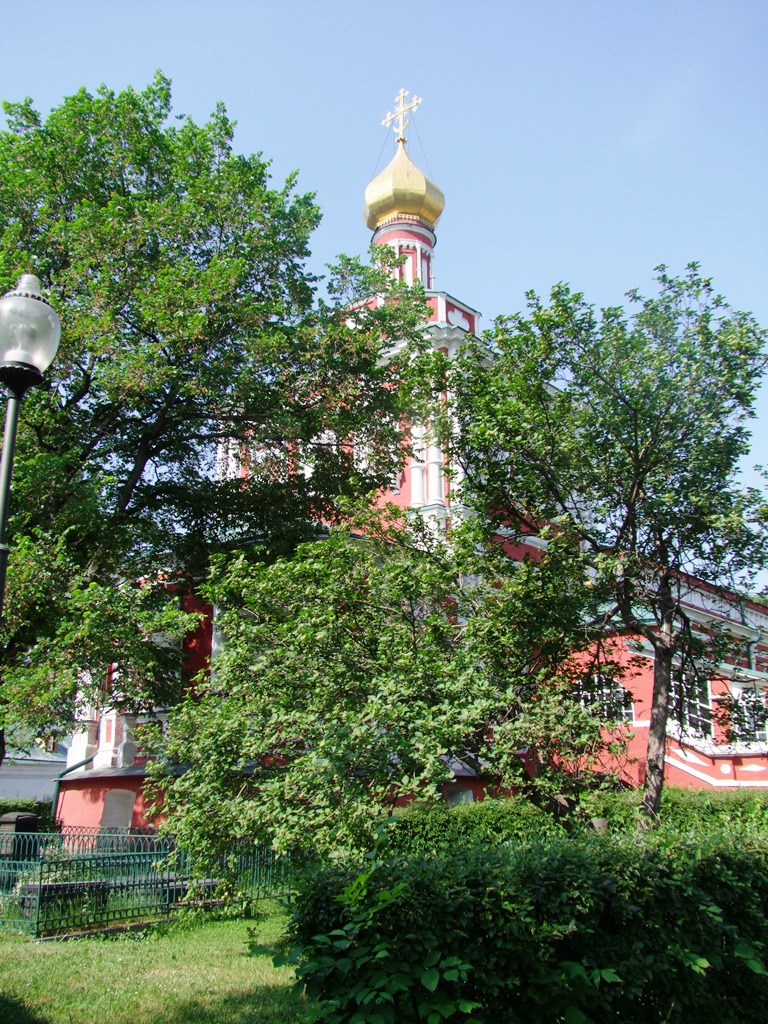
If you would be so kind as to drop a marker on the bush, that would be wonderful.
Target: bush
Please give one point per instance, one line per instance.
(592, 928)
(684, 810)
(40, 807)
(430, 829)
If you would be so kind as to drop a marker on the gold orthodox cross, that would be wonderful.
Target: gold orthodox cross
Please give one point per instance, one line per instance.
(398, 114)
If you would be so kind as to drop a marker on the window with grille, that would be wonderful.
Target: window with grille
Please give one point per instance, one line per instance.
(749, 715)
(607, 698)
(691, 703)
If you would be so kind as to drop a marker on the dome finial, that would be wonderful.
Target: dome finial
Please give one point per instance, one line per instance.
(398, 114)
(402, 190)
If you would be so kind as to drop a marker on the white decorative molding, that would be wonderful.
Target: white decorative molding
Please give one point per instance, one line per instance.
(457, 319)
(728, 783)
(692, 757)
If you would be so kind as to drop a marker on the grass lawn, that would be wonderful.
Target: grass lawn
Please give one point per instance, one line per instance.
(184, 973)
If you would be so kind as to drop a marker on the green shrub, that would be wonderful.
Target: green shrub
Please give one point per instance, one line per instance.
(684, 810)
(429, 829)
(40, 807)
(574, 929)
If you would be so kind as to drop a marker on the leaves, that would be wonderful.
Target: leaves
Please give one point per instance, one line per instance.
(625, 430)
(429, 978)
(590, 928)
(196, 352)
(624, 424)
(367, 670)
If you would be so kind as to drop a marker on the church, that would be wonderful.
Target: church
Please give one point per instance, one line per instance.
(102, 785)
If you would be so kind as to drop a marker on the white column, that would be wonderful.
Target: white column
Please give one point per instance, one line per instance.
(435, 476)
(418, 490)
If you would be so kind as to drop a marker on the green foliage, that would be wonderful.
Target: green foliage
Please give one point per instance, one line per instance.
(65, 663)
(354, 673)
(423, 831)
(42, 808)
(626, 430)
(192, 332)
(346, 959)
(434, 830)
(684, 811)
(663, 393)
(596, 929)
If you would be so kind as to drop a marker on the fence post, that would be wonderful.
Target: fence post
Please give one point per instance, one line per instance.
(38, 901)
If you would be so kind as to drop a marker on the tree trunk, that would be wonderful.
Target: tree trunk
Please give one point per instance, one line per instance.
(657, 733)
(664, 646)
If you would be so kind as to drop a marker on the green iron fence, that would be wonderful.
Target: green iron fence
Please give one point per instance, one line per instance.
(57, 883)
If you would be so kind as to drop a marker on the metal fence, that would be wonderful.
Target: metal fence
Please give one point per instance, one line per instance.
(79, 879)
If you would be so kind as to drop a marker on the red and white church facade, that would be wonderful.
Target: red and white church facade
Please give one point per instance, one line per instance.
(104, 786)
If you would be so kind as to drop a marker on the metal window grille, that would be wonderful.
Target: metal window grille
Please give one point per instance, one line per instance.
(691, 703)
(749, 715)
(607, 698)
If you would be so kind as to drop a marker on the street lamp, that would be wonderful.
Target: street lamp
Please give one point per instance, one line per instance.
(29, 340)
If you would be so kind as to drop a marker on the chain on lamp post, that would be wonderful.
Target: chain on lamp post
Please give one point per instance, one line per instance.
(29, 339)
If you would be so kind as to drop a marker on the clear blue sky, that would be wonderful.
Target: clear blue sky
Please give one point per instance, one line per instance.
(576, 140)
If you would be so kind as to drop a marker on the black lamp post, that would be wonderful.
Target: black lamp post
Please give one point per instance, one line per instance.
(29, 340)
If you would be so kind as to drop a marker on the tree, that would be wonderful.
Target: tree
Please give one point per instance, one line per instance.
(192, 332)
(362, 671)
(626, 431)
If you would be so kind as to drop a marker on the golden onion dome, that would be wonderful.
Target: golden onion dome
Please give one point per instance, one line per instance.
(402, 190)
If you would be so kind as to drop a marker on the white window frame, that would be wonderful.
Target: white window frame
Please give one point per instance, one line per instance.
(606, 696)
(690, 704)
(749, 714)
